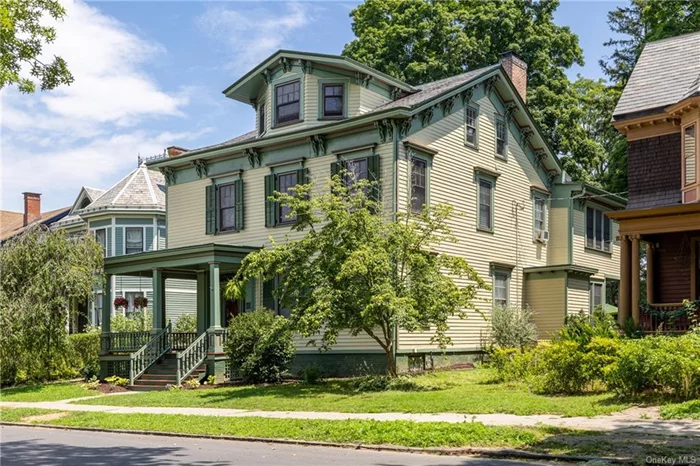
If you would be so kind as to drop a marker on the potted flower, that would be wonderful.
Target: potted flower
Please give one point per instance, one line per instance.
(140, 302)
(120, 303)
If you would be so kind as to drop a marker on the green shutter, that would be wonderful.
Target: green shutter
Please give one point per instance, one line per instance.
(211, 210)
(336, 167)
(119, 239)
(238, 189)
(303, 177)
(373, 174)
(270, 205)
(109, 242)
(269, 301)
(149, 239)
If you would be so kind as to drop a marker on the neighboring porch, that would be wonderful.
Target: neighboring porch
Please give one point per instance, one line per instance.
(668, 237)
(161, 356)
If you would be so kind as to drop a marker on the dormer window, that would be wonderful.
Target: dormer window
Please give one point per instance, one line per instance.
(333, 100)
(287, 102)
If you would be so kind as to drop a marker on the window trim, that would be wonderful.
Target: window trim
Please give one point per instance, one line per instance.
(104, 247)
(126, 241)
(536, 196)
(602, 230)
(333, 82)
(690, 187)
(498, 271)
(284, 221)
(219, 227)
(500, 119)
(475, 144)
(603, 294)
(492, 182)
(282, 82)
(262, 119)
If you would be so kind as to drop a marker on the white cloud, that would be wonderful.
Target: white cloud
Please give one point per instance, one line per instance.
(255, 34)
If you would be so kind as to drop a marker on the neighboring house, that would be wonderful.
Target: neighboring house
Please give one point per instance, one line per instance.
(15, 223)
(468, 141)
(659, 113)
(129, 218)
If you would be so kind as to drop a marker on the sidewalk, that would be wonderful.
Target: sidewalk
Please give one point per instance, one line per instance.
(619, 422)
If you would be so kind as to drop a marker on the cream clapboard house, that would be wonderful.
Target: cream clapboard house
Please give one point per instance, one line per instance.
(538, 238)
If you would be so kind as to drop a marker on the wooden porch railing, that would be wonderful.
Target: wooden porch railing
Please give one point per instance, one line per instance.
(124, 342)
(149, 353)
(658, 322)
(189, 359)
(181, 340)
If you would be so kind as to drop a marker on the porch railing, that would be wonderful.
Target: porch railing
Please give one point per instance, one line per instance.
(181, 340)
(149, 353)
(189, 359)
(122, 342)
(663, 320)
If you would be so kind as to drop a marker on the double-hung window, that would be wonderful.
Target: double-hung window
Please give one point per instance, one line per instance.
(501, 137)
(471, 125)
(597, 295)
(500, 289)
(333, 100)
(356, 171)
(130, 295)
(284, 183)
(261, 119)
(134, 240)
(101, 238)
(287, 102)
(97, 321)
(689, 155)
(227, 207)
(598, 230)
(485, 221)
(419, 184)
(540, 207)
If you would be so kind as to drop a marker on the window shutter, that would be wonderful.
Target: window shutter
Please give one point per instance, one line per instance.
(270, 210)
(303, 178)
(210, 217)
(373, 174)
(337, 167)
(238, 190)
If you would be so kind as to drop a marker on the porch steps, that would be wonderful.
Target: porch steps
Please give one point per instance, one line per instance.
(163, 373)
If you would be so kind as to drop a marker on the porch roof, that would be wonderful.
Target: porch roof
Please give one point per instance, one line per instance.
(186, 260)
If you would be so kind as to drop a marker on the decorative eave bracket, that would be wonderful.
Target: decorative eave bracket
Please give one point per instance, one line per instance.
(318, 145)
(169, 175)
(254, 157)
(386, 129)
(200, 166)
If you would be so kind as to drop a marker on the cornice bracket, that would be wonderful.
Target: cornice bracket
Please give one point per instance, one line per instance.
(317, 144)
(200, 166)
(386, 130)
(169, 175)
(254, 157)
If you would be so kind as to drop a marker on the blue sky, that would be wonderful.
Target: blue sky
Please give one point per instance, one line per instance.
(150, 74)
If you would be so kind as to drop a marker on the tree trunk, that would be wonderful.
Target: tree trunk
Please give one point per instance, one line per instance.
(390, 362)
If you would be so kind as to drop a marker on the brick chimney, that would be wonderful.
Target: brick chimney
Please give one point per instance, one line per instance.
(32, 207)
(175, 150)
(516, 69)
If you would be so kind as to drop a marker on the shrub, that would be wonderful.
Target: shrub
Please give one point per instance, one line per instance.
(211, 380)
(380, 383)
(117, 381)
(311, 375)
(512, 327)
(186, 323)
(582, 327)
(92, 383)
(513, 365)
(84, 353)
(260, 346)
(191, 384)
(560, 370)
(137, 321)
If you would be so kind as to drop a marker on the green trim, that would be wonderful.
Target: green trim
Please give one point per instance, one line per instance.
(497, 118)
(428, 159)
(345, 82)
(537, 194)
(477, 108)
(273, 98)
(497, 270)
(483, 172)
(569, 268)
(100, 223)
(489, 179)
(134, 221)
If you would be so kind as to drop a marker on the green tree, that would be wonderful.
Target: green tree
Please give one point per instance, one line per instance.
(422, 41)
(42, 272)
(22, 37)
(356, 270)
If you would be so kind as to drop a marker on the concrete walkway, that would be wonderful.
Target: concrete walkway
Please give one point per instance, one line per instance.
(628, 421)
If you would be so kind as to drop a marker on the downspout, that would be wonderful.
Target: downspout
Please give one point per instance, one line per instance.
(395, 208)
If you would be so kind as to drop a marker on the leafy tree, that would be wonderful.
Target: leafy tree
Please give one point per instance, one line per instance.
(22, 37)
(186, 323)
(422, 41)
(355, 270)
(41, 273)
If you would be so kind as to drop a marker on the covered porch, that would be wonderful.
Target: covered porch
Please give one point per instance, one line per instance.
(665, 241)
(132, 354)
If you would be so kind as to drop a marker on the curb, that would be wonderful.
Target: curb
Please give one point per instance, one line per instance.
(472, 451)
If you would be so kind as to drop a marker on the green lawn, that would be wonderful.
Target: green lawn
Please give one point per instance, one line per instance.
(687, 410)
(46, 392)
(466, 392)
(402, 433)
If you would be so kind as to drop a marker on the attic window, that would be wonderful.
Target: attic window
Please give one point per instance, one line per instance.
(333, 100)
(287, 102)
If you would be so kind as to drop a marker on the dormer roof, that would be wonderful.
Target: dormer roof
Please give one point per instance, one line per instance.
(247, 87)
(142, 189)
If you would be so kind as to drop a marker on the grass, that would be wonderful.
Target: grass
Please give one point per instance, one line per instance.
(468, 392)
(401, 433)
(46, 392)
(687, 410)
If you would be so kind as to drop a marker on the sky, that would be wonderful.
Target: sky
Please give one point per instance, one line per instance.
(150, 74)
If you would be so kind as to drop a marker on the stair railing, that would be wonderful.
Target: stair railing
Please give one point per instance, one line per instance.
(189, 359)
(149, 353)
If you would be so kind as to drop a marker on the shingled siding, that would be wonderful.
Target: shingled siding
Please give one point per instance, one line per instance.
(654, 172)
(672, 267)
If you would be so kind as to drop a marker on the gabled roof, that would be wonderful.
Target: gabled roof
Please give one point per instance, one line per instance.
(243, 88)
(142, 189)
(667, 72)
(11, 222)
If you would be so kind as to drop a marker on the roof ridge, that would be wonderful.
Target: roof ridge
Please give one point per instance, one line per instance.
(150, 185)
(126, 185)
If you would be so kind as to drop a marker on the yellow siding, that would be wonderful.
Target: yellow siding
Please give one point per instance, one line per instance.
(558, 246)
(370, 100)
(452, 182)
(577, 295)
(606, 263)
(545, 296)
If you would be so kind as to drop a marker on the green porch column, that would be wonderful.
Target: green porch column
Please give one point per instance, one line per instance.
(215, 329)
(106, 314)
(158, 300)
(202, 309)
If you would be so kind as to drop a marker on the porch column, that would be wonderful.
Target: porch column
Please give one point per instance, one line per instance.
(635, 278)
(625, 285)
(106, 314)
(215, 329)
(650, 272)
(202, 310)
(158, 300)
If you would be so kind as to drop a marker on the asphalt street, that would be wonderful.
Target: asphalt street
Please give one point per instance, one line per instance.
(40, 446)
